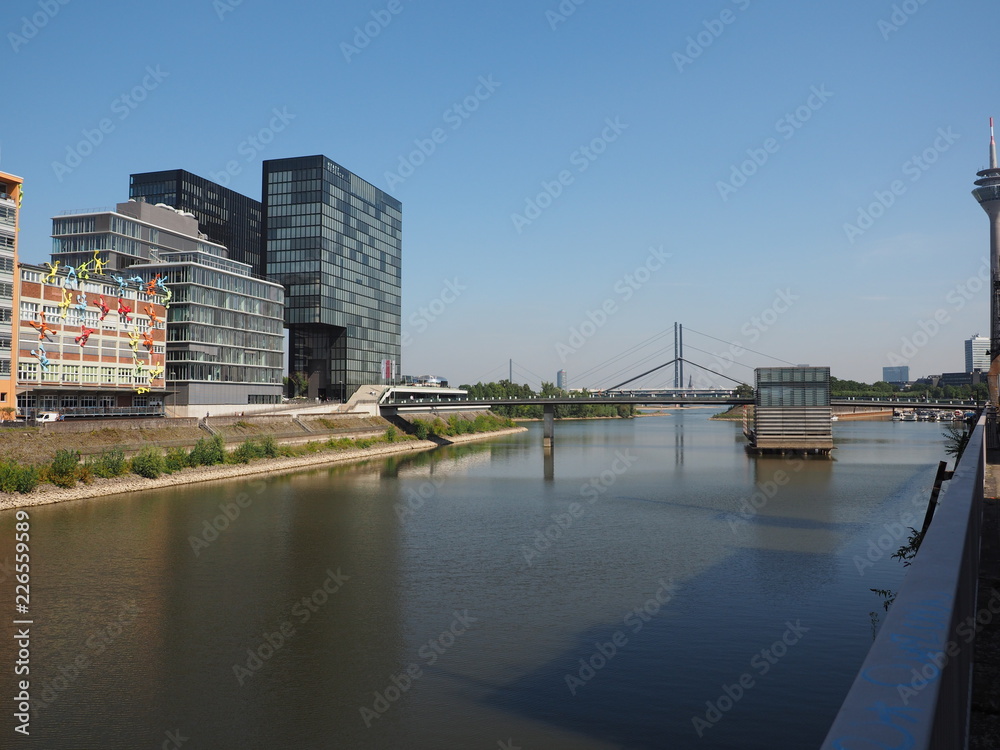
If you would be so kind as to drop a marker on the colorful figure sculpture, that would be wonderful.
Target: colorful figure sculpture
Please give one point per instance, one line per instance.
(43, 360)
(67, 300)
(84, 335)
(152, 285)
(50, 277)
(84, 270)
(103, 307)
(42, 328)
(71, 281)
(147, 340)
(148, 309)
(138, 281)
(99, 264)
(122, 284)
(133, 340)
(155, 373)
(81, 303)
(124, 310)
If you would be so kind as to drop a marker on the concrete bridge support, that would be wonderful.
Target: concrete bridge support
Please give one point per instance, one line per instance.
(548, 425)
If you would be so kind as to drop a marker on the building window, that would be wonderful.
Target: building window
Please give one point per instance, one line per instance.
(29, 310)
(27, 371)
(140, 401)
(71, 373)
(89, 374)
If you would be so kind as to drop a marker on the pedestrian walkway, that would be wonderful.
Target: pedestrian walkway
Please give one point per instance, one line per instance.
(985, 726)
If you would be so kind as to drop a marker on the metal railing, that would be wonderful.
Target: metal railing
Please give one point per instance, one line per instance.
(914, 688)
(77, 412)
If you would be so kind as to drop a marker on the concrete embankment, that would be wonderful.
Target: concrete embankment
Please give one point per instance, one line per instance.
(47, 494)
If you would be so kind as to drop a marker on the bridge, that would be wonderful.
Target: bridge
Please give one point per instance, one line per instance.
(396, 401)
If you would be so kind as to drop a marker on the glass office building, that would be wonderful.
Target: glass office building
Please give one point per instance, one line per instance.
(333, 241)
(977, 353)
(227, 217)
(225, 337)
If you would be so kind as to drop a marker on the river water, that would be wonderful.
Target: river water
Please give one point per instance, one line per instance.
(621, 592)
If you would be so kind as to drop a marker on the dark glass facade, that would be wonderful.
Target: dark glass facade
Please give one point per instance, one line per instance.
(334, 241)
(227, 217)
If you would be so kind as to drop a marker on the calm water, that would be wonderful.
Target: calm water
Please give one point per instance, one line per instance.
(476, 596)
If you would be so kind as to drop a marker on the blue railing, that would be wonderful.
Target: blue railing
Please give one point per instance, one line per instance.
(914, 688)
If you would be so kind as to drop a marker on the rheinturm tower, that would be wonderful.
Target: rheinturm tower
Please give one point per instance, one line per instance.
(987, 192)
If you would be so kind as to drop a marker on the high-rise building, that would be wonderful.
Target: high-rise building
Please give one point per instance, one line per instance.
(896, 375)
(987, 192)
(10, 205)
(977, 353)
(334, 242)
(228, 218)
(224, 342)
(561, 379)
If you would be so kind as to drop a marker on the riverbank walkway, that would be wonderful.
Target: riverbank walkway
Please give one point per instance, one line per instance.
(985, 725)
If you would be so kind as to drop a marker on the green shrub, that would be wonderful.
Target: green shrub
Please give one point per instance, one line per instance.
(84, 473)
(208, 452)
(246, 452)
(269, 447)
(391, 434)
(111, 463)
(149, 463)
(62, 470)
(176, 459)
(17, 478)
(420, 429)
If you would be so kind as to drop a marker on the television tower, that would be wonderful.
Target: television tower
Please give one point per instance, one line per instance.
(987, 192)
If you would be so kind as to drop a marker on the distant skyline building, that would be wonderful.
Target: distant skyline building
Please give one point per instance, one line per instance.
(987, 192)
(977, 353)
(10, 206)
(334, 242)
(225, 216)
(561, 381)
(896, 375)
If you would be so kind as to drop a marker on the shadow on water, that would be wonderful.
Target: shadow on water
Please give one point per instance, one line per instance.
(645, 692)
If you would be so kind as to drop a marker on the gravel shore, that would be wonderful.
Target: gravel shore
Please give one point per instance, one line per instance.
(47, 493)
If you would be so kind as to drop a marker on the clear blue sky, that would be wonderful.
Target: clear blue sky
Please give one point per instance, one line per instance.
(670, 100)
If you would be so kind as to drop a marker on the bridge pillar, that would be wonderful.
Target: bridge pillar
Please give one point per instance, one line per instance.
(548, 425)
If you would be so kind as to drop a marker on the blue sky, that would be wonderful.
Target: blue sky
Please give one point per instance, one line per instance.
(576, 176)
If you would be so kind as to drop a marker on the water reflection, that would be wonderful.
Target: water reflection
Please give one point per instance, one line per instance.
(441, 599)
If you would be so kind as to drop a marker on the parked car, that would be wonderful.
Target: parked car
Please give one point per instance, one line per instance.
(49, 416)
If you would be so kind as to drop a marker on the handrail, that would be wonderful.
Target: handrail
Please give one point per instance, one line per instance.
(914, 688)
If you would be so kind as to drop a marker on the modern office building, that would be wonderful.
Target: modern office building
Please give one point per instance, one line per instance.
(135, 232)
(561, 381)
(896, 375)
(225, 337)
(225, 342)
(228, 218)
(977, 353)
(10, 206)
(88, 346)
(334, 242)
(959, 379)
(987, 192)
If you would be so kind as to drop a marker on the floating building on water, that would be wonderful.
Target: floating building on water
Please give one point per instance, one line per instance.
(791, 411)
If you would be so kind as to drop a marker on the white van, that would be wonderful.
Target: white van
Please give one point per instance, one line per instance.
(49, 416)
